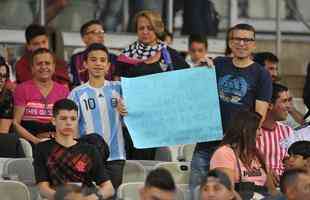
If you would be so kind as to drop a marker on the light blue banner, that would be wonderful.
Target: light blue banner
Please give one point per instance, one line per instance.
(178, 107)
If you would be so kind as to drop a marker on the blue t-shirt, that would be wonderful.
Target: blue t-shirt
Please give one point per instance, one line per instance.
(239, 88)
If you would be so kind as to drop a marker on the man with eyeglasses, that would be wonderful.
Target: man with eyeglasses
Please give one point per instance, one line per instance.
(242, 84)
(91, 32)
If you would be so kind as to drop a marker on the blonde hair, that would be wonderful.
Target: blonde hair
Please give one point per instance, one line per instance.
(155, 20)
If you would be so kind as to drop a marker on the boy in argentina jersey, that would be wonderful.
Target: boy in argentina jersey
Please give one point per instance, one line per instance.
(99, 110)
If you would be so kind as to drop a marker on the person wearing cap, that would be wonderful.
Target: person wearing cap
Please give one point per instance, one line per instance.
(217, 186)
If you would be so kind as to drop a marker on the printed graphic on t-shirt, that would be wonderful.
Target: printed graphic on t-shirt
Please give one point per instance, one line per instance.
(64, 165)
(253, 172)
(232, 88)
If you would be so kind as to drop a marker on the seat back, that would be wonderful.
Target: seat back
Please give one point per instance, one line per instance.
(163, 154)
(11, 190)
(22, 167)
(179, 170)
(26, 147)
(133, 172)
(185, 152)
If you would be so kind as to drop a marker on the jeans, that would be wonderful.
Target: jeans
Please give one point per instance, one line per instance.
(200, 164)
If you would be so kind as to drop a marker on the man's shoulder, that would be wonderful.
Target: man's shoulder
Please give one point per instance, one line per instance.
(80, 88)
(284, 127)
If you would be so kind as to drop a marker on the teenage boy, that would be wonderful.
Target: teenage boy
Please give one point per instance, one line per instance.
(101, 109)
(197, 51)
(159, 185)
(36, 38)
(63, 159)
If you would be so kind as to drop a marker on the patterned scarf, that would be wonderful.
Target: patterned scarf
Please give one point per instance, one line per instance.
(140, 51)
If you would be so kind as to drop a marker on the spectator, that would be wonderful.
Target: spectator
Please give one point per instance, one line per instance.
(36, 37)
(198, 51)
(273, 131)
(295, 184)
(200, 17)
(34, 99)
(98, 102)
(63, 159)
(10, 145)
(91, 32)
(270, 62)
(159, 184)
(242, 84)
(299, 156)
(239, 158)
(167, 38)
(6, 98)
(148, 55)
(217, 186)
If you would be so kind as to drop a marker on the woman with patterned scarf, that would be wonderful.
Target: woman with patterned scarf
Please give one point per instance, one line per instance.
(148, 55)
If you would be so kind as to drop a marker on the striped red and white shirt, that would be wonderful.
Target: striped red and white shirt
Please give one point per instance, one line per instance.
(269, 144)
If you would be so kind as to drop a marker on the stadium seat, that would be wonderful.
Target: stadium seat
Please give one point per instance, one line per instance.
(133, 172)
(185, 190)
(22, 167)
(185, 152)
(14, 190)
(163, 154)
(26, 147)
(130, 191)
(179, 170)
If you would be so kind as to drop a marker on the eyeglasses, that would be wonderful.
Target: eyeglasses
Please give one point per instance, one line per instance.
(95, 32)
(3, 76)
(245, 40)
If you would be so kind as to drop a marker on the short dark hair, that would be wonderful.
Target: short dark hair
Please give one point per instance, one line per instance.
(64, 104)
(300, 148)
(7, 69)
(276, 90)
(95, 47)
(262, 57)
(34, 30)
(85, 26)
(41, 51)
(246, 27)
(289, 177)
(166, 33)
(198, 38)
(223, 178)
(160, 178)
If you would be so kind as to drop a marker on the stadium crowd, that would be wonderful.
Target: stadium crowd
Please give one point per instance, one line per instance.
(72, 114)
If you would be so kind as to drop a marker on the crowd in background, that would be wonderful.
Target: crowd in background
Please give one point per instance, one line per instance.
(55, 105)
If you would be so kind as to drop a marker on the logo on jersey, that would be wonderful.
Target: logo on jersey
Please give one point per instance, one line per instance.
(114, 102)
(232, 88)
